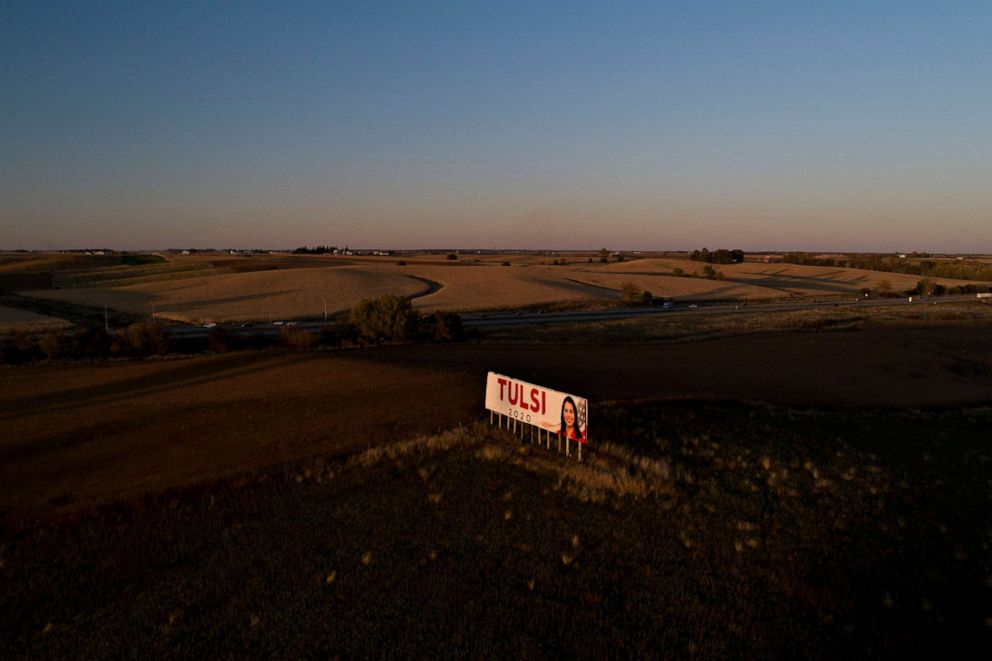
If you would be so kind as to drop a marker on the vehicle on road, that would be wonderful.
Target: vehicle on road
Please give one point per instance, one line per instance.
(693, 306)
(210, 325)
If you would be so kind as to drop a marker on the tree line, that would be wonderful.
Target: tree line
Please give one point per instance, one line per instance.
(721, 256)
(916, 264)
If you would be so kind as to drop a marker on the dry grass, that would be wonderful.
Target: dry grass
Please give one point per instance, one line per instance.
(288, 287)
(253, 296)
(775, 280)
(12, 319)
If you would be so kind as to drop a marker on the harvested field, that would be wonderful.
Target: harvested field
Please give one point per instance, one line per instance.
(80, 434)
(193, 289)
(12, 320)
(252, 296)
(708, 531)
(777, 280)
(495, 287)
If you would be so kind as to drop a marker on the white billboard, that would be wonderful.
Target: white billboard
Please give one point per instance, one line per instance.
(553, 411)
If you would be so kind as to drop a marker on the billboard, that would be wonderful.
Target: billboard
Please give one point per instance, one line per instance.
(550, 410)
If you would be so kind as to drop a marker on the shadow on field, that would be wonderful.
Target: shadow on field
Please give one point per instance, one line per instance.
(693, 529)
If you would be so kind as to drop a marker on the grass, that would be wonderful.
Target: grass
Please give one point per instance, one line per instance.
(74, 313)
(695, 530)
(240, 289)
(675, 328)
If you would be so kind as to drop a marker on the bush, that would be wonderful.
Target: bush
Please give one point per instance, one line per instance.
(146, 338)
(631, 294)
(219, 340)
(338, 334)
(401, 263)
(387, 317)
(447, 326)
(53, 345)
(452, 256)
(295, 337)
(93, 342)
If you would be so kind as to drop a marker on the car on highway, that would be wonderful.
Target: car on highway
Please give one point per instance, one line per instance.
(693, 306)
(210, 325)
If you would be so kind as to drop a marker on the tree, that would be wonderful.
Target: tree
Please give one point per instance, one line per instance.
(452, 256)
(678, 272)
(631, 294)
(447, 326)
(926, 287)
(884, 287)
(709, 272)
(387, 317)
(147, 337)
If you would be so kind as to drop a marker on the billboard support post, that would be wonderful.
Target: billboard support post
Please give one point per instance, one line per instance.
(528, 405)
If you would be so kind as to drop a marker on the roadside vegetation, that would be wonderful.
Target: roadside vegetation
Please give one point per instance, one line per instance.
(371, 321)
(680, 328)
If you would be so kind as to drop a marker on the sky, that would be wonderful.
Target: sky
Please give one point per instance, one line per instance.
(849, 126)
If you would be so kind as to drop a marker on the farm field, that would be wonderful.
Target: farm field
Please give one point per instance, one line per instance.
(198, 290)
(83, 434)
(700, 529)
(12, 319)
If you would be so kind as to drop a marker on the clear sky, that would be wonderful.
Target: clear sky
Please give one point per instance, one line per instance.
(630, 125)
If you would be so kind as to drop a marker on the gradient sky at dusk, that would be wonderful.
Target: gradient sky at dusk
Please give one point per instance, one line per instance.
(631, 125)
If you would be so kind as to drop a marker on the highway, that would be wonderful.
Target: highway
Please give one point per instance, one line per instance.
(525, 318)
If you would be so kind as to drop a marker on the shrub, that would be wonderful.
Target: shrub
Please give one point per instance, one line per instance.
(219, 340)
(147, 337)
(447, 326)
(338, 334)
(631, 294)
(452, 256)
(295, 337)
(93, 342)
(53, 344)
(386, 317)
(401, 263)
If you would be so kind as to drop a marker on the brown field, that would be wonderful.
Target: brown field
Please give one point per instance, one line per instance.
(219, 288)
(252, 296)
(79, 434)
(773, 280)
(12, 320)
(769, 495)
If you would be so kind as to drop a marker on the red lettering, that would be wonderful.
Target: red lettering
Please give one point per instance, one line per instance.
(502, 386)
(544, 402)
(523, 403)
(534, 402)
(513, 393)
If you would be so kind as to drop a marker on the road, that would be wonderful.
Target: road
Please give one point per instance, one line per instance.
(502, 319)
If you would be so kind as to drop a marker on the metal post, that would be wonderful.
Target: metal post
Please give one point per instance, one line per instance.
(580, 450)
(490, 418)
